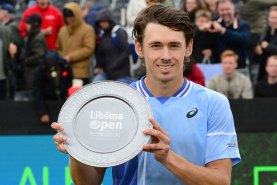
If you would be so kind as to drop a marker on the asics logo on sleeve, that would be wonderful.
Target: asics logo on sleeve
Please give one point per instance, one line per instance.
(192, 112)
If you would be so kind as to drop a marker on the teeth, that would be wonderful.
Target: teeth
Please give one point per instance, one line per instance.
(164, 67)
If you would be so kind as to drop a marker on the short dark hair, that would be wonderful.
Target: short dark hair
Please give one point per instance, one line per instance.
(177, 20)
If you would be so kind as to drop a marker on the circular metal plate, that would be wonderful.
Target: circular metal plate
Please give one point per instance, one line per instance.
(104, 123)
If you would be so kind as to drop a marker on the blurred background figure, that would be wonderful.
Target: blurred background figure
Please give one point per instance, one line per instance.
(133, 8)
(267, 45)
(203, 44)
(163, 2)
(36, 48)
(232, 33)
(255, 13)
(52, 21)
(212, 7)
(192, 6)
(76, 42)
(113, 62)
(7, 18)
(5, 68)
(267, 87)
(231, 83)
(193, 73)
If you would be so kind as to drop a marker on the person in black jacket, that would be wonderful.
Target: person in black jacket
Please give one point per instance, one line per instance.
(35, 50)
(113, 50)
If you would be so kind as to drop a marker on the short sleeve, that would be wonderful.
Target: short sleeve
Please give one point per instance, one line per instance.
(222, 140)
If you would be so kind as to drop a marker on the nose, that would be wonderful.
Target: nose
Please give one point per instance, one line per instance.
(166, 54)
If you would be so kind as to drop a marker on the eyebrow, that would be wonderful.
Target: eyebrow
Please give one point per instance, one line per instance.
(173, 42)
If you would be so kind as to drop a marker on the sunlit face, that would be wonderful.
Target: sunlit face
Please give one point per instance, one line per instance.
(191, 5)
(43, 3)
(271, 67)
(229, 65)
(226, 10)
(163, 50)
(272, 19)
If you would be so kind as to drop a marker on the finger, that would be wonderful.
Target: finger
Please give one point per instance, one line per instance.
(59, 138)
(157, 126)
(155, 147)
(61, 148)
(56, 126)
(158, 134)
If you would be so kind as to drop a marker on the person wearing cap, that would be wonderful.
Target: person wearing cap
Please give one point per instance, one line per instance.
(36, 48)
(76, 41)
(52, 21)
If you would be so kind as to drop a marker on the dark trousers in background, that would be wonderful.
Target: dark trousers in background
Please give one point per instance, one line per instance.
(3, 89)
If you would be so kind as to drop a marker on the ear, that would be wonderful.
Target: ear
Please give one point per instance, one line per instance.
(138, 48)
(189, 48)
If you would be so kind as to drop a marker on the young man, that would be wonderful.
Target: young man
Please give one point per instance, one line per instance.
(231, 83)
(194, 139)
(267, 87)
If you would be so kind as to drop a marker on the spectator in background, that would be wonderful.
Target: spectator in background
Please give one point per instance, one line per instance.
(267, 87)
(203, 44)
(193, 73)
(76, 41)
(231, 83)
(7, 18)
(52, 21)
(133, 8)
(268, 42)
(162, 2)
(255, 13)
(5, 40)
(212, 6)
(192, 6)
(92, 13)
(232, 33)
(36, 48)
(114, 52)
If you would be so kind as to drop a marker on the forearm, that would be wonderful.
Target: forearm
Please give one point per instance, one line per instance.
(192, 174)
(85, 175)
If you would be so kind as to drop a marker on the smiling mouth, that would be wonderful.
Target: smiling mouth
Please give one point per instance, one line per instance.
(165, 67)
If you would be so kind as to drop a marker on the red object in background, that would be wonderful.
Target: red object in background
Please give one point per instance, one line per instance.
(72, 90)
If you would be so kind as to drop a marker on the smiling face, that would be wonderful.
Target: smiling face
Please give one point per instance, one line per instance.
(226, 10)
(163, 50)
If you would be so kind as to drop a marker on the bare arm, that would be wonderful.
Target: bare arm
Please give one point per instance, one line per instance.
(81, 174)
(214, 173)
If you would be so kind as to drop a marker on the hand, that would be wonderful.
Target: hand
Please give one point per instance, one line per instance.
(217, 27)
(59, 139)
(160, 141)
(207, 53)
(12, 49)
(47, 31)
(67, 58)
(98, 70)
(258, 50)
(264, 44)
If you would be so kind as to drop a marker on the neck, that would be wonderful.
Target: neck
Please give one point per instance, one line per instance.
(272, 79)
(163, 89)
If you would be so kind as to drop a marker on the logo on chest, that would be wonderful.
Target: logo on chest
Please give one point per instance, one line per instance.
(192, 112)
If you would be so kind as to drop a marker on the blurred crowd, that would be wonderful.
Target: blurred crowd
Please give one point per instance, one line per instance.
(48, 51)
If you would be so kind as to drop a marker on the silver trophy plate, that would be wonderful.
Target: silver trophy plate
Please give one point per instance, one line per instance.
(104, 123)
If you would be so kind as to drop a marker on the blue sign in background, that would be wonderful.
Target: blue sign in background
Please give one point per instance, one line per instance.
(34, 160)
